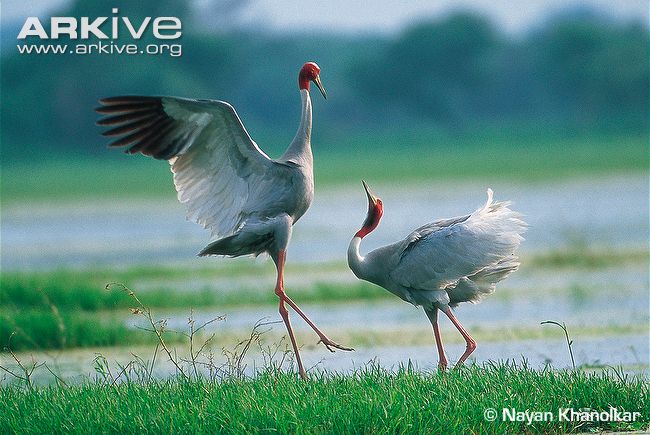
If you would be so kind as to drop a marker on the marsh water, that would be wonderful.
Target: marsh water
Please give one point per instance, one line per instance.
(604, 308)
(611, 211)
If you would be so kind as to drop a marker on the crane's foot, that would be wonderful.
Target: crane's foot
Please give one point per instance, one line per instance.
(442, 366)
(471, 347)
(329, 344)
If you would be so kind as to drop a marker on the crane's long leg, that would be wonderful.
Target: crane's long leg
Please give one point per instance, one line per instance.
(323, 338)
(279, 290)
(433, 318)
(471, 343)
(284, 298)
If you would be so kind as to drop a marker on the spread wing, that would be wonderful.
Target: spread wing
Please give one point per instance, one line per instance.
(218, 169)
(437, 255)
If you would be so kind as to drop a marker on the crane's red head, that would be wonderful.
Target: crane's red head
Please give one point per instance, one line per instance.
(375, 212)
(310, 72)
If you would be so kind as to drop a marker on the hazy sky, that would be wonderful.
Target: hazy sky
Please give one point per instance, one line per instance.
(373, 16)
(390, 15)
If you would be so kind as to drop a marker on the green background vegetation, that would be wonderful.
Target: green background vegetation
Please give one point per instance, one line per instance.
(406, 156)
(580, 74)
(453, 97)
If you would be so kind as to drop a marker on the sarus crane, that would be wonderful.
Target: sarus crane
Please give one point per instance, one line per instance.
(443, 263)
(228, 185)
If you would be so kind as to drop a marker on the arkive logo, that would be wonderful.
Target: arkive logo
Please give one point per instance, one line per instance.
(82, 28)
(114, 35)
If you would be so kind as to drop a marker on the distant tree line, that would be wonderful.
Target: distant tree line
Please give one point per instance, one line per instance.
(581, 71)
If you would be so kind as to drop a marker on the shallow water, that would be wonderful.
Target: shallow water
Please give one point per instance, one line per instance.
(605, 309)
(606, 331)
(594, 353)
(610, 211)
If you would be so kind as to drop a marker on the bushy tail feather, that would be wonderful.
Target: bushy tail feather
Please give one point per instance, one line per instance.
(497, 272)
(498, 219)
(473, 288)
(219, 247)
(505, 228)
(498, 207)
(237, 245)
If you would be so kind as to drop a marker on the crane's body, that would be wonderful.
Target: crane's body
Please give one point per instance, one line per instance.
(228, 185)
(444, 263)
(279, 200)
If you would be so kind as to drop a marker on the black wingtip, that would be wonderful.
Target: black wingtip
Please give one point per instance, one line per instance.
(127, 99)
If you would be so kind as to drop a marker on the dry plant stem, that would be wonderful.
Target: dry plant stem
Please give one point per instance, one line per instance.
(17, 376)
(27, 371)
(102, 367)
(192, 357)
(153, 361)
(58, 378)
(270, 352)
(147, 313)
(235, 359)
(158, 328)
(122, 371)
(143, 370)
(193, 331)
(569, 342)
(254, 336)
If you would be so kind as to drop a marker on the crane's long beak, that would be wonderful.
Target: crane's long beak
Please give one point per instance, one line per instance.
(372, 199)
(319, 84)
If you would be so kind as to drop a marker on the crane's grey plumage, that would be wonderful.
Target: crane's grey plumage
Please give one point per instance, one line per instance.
(248, 201)
(444, 263)
(226, 182)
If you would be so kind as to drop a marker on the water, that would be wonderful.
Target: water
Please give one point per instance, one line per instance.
(605, 309)
(598, 324)
(611, 211)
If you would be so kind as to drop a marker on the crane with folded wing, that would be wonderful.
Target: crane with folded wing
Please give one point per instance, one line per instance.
(443, 263)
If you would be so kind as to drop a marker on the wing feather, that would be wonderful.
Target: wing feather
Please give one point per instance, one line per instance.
(217, 167)
(437, 255)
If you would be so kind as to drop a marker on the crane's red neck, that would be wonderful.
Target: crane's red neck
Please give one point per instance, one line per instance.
(375, 212)
(308, 72)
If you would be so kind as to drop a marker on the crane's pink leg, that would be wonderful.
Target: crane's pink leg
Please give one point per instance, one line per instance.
(471, 343)
(442, 364)
(442, 358)
(323, 338)
(279, 290)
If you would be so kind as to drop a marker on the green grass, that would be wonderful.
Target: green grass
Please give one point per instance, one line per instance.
(380, 157)
(42, 329)
(372, 400)
(86, 291)
(57, 317)
(86, 178)
(67, 309)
